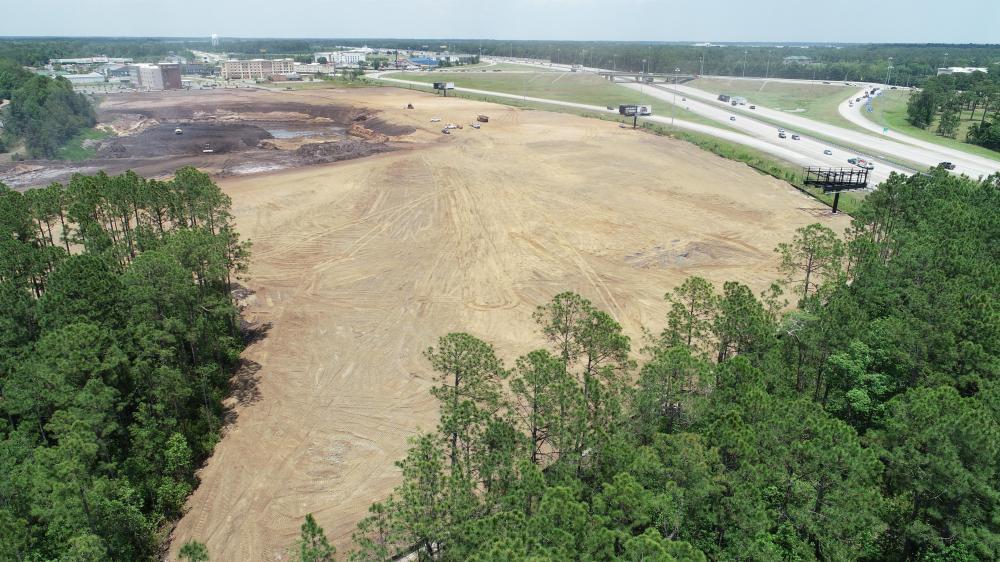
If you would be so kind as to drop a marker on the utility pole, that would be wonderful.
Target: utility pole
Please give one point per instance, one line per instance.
(702, 64)
(614, 63)
(642, 83)
(744, 63)
(888, 71)
(673, 106)
(767, 69)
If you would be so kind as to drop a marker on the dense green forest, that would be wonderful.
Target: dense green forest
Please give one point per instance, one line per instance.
(946, 98)
(864, 424)
(43, 112)
(37, 51)
(118, 337)
(911, 63)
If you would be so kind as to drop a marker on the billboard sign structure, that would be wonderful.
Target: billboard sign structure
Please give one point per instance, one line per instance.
(444, 85)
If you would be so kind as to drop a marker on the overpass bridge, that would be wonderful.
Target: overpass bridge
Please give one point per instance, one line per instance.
(647, 77)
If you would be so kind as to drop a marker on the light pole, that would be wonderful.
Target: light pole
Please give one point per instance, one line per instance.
(888, 72)
(642, 82)
(744, 63)
(614, 62)
(702, 64)
(767, 69)
(673, 107)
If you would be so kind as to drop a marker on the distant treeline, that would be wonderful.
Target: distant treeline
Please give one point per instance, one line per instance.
(118, 337)
(37, 52)
(944, 99)
(43, 113)
(911, 63)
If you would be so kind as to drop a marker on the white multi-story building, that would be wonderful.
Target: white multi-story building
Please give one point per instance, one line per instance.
(256, 69)
(962, 70)
(342, 58)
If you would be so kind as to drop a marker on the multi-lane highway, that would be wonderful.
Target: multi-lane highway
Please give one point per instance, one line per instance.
(811, 151)
(788, 152)
(758, 128)
(892, 152)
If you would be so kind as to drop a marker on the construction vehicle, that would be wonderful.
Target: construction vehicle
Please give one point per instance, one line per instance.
(483, 119)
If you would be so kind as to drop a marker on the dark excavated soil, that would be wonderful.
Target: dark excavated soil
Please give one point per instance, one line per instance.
(161, 140)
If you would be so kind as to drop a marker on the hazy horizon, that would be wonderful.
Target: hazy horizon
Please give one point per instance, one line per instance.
(764, 21)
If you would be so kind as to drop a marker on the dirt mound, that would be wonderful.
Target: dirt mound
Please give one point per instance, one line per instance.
(359, 130)
(335, 151)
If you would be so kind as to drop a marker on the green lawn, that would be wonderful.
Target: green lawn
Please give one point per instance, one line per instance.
(560, 86)
(74, 149)
(890, 111)
(813, 101)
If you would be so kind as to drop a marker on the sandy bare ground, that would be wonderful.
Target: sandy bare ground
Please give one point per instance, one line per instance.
(361, 265)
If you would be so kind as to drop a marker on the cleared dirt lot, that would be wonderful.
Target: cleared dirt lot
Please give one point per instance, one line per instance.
(360, 265)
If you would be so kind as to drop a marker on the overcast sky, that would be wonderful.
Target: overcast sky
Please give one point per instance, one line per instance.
(911, 21)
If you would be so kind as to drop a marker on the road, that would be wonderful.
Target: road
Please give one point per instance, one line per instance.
(878, 148)
(926, 156)
(856, 115)
(811, 150)
(807, 155)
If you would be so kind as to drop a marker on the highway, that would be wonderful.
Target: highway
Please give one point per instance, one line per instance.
(810, 150)
(856, 115)
(789, 152)
(875, 147)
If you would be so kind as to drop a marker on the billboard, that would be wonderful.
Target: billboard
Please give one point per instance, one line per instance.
(444, 85)
(628, 110)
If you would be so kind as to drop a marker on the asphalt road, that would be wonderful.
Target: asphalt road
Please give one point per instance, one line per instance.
(809, 149)
(875, 147)
(964, 162)
(789, 152)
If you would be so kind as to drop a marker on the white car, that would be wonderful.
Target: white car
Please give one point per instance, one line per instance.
(435, 119)
(828, 152)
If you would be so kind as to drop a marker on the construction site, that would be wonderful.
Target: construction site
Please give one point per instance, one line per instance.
(360, 265)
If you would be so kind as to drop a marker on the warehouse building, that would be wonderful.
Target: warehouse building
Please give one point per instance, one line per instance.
(256, 69)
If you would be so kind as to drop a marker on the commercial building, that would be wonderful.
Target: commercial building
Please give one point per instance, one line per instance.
(256, 69)
(89, 78)
(314, 68)
(91, 60)
(962, 70)
(171, 75)
(342, 58)
(156, 77)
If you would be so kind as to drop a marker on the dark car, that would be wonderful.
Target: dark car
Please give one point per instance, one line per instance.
(947, 165)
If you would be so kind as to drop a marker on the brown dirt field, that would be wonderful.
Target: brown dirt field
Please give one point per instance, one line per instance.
(361, 265)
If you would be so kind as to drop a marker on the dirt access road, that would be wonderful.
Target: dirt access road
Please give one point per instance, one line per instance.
(361, 265)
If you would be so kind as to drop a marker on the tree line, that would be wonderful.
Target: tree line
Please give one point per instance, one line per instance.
(945, 98)
(43, 112)
(118, 337)
(863, 424)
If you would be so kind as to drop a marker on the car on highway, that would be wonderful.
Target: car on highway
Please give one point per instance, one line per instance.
(947, 165)
(782, 136)
(780, 130)
(732, 118)
(753, 107)
(684, 99)
(795, 137)
(828, 152)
